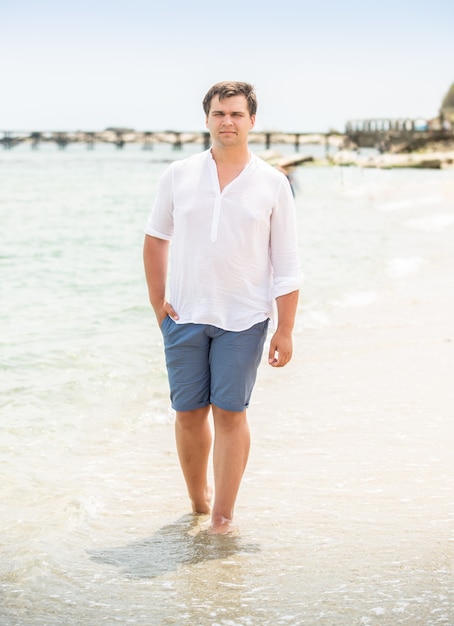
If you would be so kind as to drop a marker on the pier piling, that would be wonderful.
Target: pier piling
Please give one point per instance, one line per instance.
(148, 141)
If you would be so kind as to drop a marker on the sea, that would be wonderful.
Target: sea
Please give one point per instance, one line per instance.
(94, 517)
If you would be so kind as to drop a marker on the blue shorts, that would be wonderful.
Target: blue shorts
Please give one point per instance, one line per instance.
(208, 365)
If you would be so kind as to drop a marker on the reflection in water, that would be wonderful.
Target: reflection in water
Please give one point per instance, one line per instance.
(185, 541)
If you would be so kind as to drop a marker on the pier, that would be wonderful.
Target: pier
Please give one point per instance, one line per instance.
(120, 138)
(400, 134)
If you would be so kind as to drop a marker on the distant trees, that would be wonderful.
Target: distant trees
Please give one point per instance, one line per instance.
(447, 106)
(448, 100)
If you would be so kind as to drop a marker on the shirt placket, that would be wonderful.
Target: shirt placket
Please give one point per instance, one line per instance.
(216, 217)
(217, 202)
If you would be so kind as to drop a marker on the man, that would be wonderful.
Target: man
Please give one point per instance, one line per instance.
(231, 220)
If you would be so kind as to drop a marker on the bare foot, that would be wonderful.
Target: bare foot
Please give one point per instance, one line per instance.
(223, 526)
(204, 506)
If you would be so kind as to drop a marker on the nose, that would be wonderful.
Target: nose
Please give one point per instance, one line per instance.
(227, 119)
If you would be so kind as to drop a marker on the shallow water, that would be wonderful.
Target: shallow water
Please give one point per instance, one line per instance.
(346, 510)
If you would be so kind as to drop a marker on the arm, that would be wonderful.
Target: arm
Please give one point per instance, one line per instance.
(155, 257)
(280, 351)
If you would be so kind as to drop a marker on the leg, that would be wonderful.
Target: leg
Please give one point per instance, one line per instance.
(230, 455)
(193, 438)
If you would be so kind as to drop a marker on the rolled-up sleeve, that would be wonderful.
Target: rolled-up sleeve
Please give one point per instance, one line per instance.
(284, 255)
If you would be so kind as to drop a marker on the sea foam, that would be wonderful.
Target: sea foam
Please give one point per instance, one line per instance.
(432, 223)
(400, 267)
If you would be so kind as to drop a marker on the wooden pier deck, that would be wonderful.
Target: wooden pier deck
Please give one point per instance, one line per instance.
(386, 135)
(148, 139)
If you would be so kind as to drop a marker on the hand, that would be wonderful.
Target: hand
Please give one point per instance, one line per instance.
(164, 311)
(280, 348)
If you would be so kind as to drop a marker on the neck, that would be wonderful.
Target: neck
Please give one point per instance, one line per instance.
(234, 155)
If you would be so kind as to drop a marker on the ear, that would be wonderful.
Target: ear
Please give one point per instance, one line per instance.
(252, 121)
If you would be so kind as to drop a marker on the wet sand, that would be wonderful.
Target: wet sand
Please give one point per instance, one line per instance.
(346, 511)
(367, 475)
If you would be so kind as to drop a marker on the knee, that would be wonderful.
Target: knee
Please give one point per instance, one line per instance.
(191, 420)
(228, 420)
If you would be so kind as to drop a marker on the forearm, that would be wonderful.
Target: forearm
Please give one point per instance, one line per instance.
(281, 348)
(286, 311)
(155, 257)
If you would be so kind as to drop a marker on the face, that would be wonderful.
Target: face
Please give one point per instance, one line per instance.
(229, 121)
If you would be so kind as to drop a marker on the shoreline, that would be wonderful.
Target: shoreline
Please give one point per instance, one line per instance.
(365, 408)
(345, 510)
(429, 159)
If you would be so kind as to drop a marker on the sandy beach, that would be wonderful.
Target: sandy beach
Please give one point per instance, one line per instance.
(346, 511)
(359, 429)
(368, 419)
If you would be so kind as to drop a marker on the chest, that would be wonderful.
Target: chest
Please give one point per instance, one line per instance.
(227, 174)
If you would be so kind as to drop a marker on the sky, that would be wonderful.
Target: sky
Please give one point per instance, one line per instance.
(144, 64)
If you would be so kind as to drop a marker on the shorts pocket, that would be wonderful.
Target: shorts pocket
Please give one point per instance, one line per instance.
(263, 326)
(164, 323)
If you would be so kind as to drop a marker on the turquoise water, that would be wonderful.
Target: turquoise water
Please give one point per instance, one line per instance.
(74, 317)
(93, 509)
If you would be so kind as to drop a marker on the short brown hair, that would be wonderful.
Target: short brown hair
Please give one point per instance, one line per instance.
(227, 89)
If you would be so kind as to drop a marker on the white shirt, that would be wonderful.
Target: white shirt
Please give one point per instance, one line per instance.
(233, 252)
